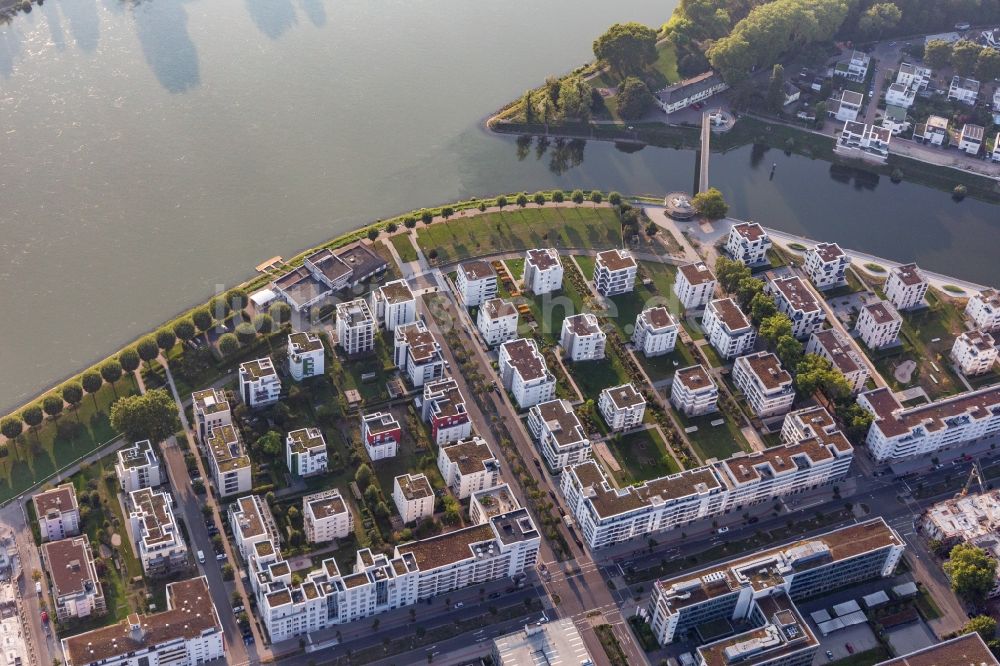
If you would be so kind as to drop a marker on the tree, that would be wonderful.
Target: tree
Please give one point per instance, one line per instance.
(596, 197)
(281, 312)
(521, 200)
(501, 202)
(527, 106)
(984, 625)
(574, 99)
(372, 233)
(937, 53)
(820, 112)
(270, 444)
(964, 56)
(634, 99)
(184, 329)
(91, 382)
(558, 196)
(72, 393)
(371, 496)
(426, 216)
(263, 323)
(774, 327)
(577, 196)
(147, 349)
(539, 198)
(227, 571)
(11, 427)
(747, 288)
(730, 273)
(710, 204)
(32, 417)
(245, 333)
(447, 212)
(776, 89)
(363, 476)
(165, 339)
(627, 48)
(229, 344)
(972, 572)
(615, 199)
(129, 360)
(761, 307)
(202, 318)
(219, 307)
(237, 299)
(988, 65)
(878, 18)
(152, 416)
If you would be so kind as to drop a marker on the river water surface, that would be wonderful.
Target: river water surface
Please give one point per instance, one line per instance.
(152, 150)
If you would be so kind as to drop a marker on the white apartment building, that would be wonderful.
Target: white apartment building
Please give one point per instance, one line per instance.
(187, 633)
(523, 372)
(559, 434)
(695, 285)
(305, 452)
(983, 310)
(684, 93)
(418, 354)
(444, 409)
(906, 286)
(879, 325)
(693, 392)
(934, 131)
(974, 352)
(543, 271)
(748, 243)
(728, 329)
(855, 69)
(468, 466)
(971, 138)
(355, 327)
(582, 338)
(949, 423)
(846, 107)
(841, 353)
(326, 516)
(413, 496)
(963, 90)
(228, 462)
(254, 531)
(914, 76)
(655, 332)
(615, 272)
(73, 581)
(306, 357)
(867, 141)
(381, 434)
(796, 299)
(259, 383)
(393, 304)
(57, 512)
(211, 410)
(622, 407)
(827, 265)
(138, 467)
(900, 95)
(766, 385)
(476, 282)
(497, 321)
(153, 529)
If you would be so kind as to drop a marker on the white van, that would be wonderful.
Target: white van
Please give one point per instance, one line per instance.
(201, 557)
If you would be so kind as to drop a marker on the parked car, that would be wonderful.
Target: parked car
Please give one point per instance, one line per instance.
(722, 530)
(220, 557)
(201, 557)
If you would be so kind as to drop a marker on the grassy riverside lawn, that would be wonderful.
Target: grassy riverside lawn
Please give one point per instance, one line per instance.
(404, 247)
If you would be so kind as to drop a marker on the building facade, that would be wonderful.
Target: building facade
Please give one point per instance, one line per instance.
(73, 581)
(326, 516)
(154, 531)
(259, 383)
(355, 327)
(655, 332)
(767, 386)
(695, 285)
(559, 434)
(476, 282)
(906, 286)
(418, 354)
(582, 339)
(748, 244)
(794, 298)
(614, 272)
(306, 357)
(983, 310)
(444, 409)
(879, 325)
(543, 271)
(622, 407)
(728, 329)
(468, 466)
(974, 352)
(832, 346)
(381, 435)
(58, 512)
(228, 462)
(523, 372)
(393, 305)
(138, 467)
(211, 410)
(827, 265)
(305, 452)
(497, 321)
(413, 496)
(693, 392)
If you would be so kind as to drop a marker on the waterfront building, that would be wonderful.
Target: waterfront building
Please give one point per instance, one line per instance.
(211, 410)
(355, 327)
(748, 243)
(854, 69)
(444, 409)
(73, 581)
(523, 372)
(468, 466)
(381, 435)
(393, 305)
(728, 329)
(476, 282)
(971, 138)
(57, 512)
(259, 383)
(655, 332)
(418, 354)
(695, 285)
(934, 131)
(834, 347)
(983, 310)
(614, 272)
(138, 467)
(326, 271)
(228, 463)
(796, 299)
(906, 286)
(684, 93)
(846, 107)
(582, 338)
(867, 141)
(622, 407)
(963, 90)
(305, 452)
(879, 325)
(827, 265)
(694, 392)
(413, 496)
(306, 357)
(543, 271)
(767, 386)
(154, 531)
(497, 321)
(974, 352)
(559, 434)
(326, 516)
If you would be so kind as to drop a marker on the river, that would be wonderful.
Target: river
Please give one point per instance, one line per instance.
(153, 152)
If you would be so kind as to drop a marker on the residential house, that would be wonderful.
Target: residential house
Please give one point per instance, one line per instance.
(57, 512)
(73, 581)
(523, 372)
(622, 407)
(855, 69)
(393, 305)
(728, 329)
(155, 533)
(748, 243)
(983, 310)
(846, 107)
(934, 131)
(832, 346)
(468, 466)
(306, 357)
(326, 516)
(655, 332)
(582, 338)
(614, 272)
(915, 77)
(790, 93)
(767, 386)
(796, 299)
(381, 435)
(963, 90)
(693, 392)
(476, 282)
(895, 120)
(683, 94)
(355, 327)
(879, 325)
(695, 285)
(559, 433)
(900, 95)
(867, 141)
(305, 452)
(497, 321)
(543, 271)
(413, 496)
(905, 287)
(138, 467)
(971, 138)
(418, 354)
(444, 409)
(974, 352)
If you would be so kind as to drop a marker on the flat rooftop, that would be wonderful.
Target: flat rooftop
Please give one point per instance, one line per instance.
(582, 324)
(303, 342)
(750, 230)
(695, 378)
(495, 308)
(624, 396)
(828, 252)
(471, 455)
(261, 368)
(561, 421)
(658, 318)
(795, 292)
(543, 259)
(305, 439)
(616, 260)
(526, 359)
(61, 498)
(325, 504)
(766, 367)
(477, 270)
(697, 273)
(396, 292)
(882, 313)
(555, 642)
(414, 486)
(892, 419)
(965, 650)
(730, 314)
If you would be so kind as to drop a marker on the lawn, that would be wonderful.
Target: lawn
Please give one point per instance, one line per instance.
(710, 441)
(592, 377)
(350, 374)
(549, 310)
(404, 247)
(664, 367)
(658, 292)
(586, 265)
(516, 267)
(642, 455)
(521, 229)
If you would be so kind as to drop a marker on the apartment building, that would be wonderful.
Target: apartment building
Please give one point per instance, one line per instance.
(468, 466)
(523, 372)
(187, 633)
(253, 525)
(306, 357)
(767, 386)
(693, 392)
(543, 271)
(728, 329)
(444, 409)
(846, 107)
(684, 93)
(761, 589)
(906, 286)
(879, 325)
(211, 410)
(867, 141)
(983, 310)
(418, 354)
(834, 347)
(559, 433)
(497, 321)
(582, 338)
(748, 243)
(259, 383)
(796, 299)
(57, 512)
(974, 352)
(615, 272)
(381, 435)
(413, 496)
(326, 516)
(963, 90)
(827, 265)
(622, 407)
(355, 327)
(900, 95)
(305, 452)
(655, 332)
(76, 589)
(393, 305)
(228, 462)
(137, 467)
(695, 285)
(903, 432)
(476, 282)
(154, 531)
(934, 131)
